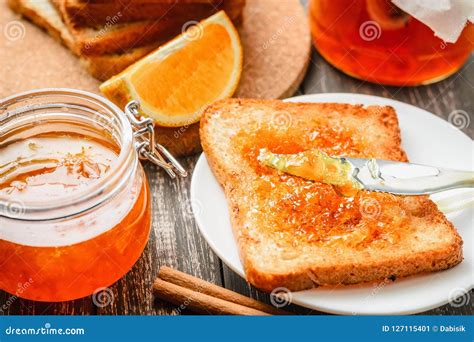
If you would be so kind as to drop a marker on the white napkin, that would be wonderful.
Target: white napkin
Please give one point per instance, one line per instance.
(446, 18)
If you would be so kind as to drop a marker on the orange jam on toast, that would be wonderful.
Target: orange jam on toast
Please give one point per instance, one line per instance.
(316, 166)
(307, 211)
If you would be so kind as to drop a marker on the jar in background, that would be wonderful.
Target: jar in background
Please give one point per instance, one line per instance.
(376, 41)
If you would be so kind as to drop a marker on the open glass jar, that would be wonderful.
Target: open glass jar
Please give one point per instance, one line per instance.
(74, 200)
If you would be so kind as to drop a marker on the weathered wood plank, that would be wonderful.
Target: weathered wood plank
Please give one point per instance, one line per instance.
(175, 240)
(12, 305)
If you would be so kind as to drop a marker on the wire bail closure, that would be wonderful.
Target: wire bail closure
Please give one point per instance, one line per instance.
(146, 145)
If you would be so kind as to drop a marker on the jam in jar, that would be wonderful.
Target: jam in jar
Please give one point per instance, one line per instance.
(376, 41)
(74, 199)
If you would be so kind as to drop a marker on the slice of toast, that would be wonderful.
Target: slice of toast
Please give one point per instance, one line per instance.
(44, 14)
(102, 67)
(116, 35)
(95, 14)
(96, 50)
(298, 234)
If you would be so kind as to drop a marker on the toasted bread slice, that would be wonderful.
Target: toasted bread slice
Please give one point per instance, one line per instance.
(102, 67)
(112, 48)
(116, 35)
(44, 14)
(297, 234)
(105, 66)
(96, 14)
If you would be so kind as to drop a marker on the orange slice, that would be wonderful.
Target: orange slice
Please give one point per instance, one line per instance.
(178, 80)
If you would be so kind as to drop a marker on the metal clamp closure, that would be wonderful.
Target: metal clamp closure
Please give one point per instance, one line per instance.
(145, 144)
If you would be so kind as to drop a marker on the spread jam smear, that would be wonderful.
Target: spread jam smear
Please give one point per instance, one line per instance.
(53, 257)
(316, 166)
(301, 211)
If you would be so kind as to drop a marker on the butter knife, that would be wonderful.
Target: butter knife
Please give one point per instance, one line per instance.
(369, 174)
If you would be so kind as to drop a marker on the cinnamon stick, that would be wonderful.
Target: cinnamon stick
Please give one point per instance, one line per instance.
(199, 285)
(199, 302)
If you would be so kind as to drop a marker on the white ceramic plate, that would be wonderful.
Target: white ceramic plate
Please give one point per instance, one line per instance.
(427, 139)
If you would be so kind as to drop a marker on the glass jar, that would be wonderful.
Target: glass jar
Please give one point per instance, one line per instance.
(75, 208)
(376, 41)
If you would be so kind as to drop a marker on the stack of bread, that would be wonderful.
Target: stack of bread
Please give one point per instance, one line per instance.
(109, 35)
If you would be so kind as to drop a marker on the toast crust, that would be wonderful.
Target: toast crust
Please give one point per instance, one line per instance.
(273, 263)
(101, 66)
(110, 49)
(97, 14)
(117, 34)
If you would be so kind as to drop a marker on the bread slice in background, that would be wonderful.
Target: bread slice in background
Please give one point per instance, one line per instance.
(44, 14)
(115, 35)
(105, 66)
(297, 234)
(104, 52)
(102, 67)
(95, 14)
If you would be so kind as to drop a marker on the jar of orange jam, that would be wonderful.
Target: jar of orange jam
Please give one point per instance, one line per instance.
(376, 41)
(74, 199)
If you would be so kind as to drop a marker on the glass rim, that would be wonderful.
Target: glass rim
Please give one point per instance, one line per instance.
(94, 194)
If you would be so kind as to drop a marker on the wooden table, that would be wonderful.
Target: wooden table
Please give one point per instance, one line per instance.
(175, 239)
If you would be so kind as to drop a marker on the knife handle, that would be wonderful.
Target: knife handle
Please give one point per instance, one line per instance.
(448, 179)
(454, 202)
(408, 179)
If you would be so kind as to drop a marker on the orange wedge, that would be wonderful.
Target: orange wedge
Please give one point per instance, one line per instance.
(178, 80)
